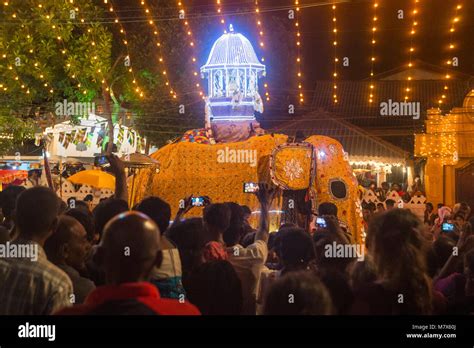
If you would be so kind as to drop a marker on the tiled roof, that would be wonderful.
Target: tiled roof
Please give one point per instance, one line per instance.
(353, 100)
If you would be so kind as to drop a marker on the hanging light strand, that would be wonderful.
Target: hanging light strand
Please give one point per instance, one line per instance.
(373, 42)
(336, 58)
(220, 12)
(124, 39)
(9, 66)
(161, 60)
(192, 45)
(261, 42)
(299, 74)
(411, 49)
(451, 61)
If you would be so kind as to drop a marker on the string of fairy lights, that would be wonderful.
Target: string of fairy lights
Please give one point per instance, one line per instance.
(336, 58)
(442, 144)
(299, 74)
(94, 58)
(261, 43)
(161, 60)
(219, 12)
(411, 49)
(124, 40)
(14, 72)
(57, 33)
(373, 42)
(451, 47)
(15, 75)
(192, 45)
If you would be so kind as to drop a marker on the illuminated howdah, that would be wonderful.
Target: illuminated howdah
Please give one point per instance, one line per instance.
(232, 71)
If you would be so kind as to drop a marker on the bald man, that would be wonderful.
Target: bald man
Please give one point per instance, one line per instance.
(128, 251)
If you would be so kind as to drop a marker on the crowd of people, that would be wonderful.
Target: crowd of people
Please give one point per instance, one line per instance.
(385, 189)
(117, 260)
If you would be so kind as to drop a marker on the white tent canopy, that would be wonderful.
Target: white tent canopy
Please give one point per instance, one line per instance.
(85, 139)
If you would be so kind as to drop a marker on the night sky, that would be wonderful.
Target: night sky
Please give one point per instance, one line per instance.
(354, 23)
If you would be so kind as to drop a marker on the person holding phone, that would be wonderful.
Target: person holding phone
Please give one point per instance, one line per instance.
(249, 262)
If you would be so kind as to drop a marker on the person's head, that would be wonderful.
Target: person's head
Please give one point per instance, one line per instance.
(129, 249)
(372, 186)
(325, 245)
(234, 232)
(86, 220)
(371, 207)
(36, 213)
(216, 218)
(366, 213)
(249, 239)
(33, 174)
(294, 248)
(105, 211)
(439, 253)
(390, 204)
(338, 285)
(429, 207)
(68, 244)
(327, 208)
(215, 288)
(247, 212)
(465, 208)
(385, 186)
(362, 273)
(298, 293)
(459, 219)
(396, 187)
(157, 210)
(399, 250)
(8, 199)
(439, 205)
(380, 208)
(190, 237)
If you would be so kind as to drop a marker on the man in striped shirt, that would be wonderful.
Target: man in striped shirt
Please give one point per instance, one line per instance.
(30, 284)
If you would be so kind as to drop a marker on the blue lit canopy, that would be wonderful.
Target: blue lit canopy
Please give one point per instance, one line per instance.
(232, 50)
(232, 71)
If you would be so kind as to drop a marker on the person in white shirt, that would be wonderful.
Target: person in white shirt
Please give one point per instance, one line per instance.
(250, 261)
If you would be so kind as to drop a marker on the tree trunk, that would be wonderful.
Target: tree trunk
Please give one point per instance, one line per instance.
(108, 116)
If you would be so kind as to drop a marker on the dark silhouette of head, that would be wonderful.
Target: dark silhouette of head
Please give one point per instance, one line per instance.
(190, 237)
(86, 219)
(429, 206)
(36, 213)
(129, 249)
(294, 248)
(68, 244)
(390, 204)
(216, 219)
(327, 208)
(8, 199)
(399, 250)
(105, 211)
(157, 210)
(215, 289)
(298, 293)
